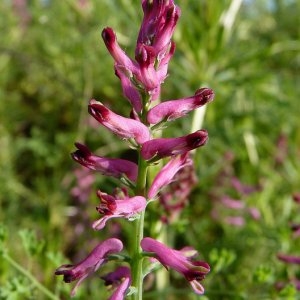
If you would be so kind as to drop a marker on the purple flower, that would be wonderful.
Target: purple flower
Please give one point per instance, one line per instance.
(289, 258)
(119, 279)
(163, 147)
(123, 127)
(112, 207)
(232, 203)
(85, 179)
(181, 261)
(174, 197)
(173, 109)
(294, 281)
(121, 59)
(235, 220)
(167, 173)
(107, 166)
(129, 91)
(90, 264)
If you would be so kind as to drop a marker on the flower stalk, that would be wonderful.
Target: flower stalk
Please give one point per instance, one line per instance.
(137, 259)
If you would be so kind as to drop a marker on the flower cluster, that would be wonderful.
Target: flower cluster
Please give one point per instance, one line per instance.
(232, 210)
(291, 259)
(141, 80)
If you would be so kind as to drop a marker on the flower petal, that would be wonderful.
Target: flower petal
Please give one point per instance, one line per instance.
(163, 147)
(123, 127)
(107, 166)
(173, 109)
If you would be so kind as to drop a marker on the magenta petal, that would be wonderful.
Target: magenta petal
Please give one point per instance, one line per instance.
(163, 147)
(129, 91)
(193, 271)
(290, 259)
(107, 166)
(167, 173)
(173, 109)
(111, 207)
(91, 263)
(123, 127)
(121, 59)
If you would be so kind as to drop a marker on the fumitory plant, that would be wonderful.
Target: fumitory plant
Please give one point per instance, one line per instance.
(141, 80)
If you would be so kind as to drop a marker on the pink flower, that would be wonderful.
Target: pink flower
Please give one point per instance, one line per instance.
(167, 173)
(173, 109)
(85, 179)
(121, 59)
(111, 207)
(235, 221)
(163, 147)
(123, 127)
(107, 166)
(290, 259)
(232, 203)
(119, 279)
(90, 264)
(180, 261)
(174, 197)
(129, 91)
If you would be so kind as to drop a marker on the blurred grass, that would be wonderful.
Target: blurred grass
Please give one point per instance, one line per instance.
(54, 64)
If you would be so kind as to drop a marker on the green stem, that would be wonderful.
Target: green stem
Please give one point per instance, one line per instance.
(137, 259)
(38, 285)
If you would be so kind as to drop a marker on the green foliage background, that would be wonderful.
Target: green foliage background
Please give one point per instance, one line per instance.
(51, 67)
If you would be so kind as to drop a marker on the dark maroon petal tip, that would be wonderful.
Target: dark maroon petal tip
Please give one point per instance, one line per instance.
(205, 95)
(108, 36)
(98, 111)
(197, 139)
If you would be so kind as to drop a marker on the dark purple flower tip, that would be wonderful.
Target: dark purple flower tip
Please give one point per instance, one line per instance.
(204, 95)
(109, 37)
(197, 139)
(98, 111)
(82, 154)
(296, 198)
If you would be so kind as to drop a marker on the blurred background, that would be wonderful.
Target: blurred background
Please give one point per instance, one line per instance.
(242, 212)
